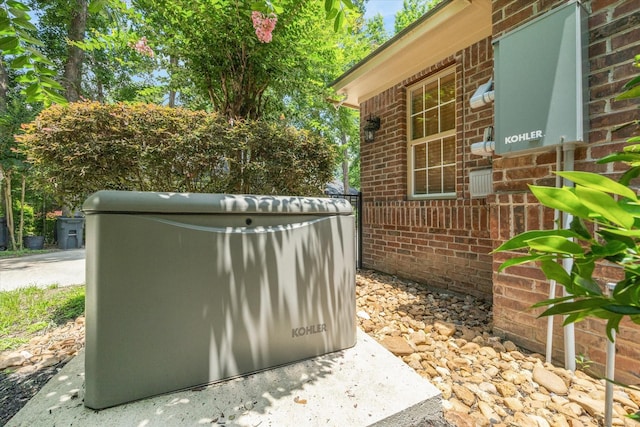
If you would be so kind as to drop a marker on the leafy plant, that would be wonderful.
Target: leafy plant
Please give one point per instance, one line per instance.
(84, 147)
(605, 228)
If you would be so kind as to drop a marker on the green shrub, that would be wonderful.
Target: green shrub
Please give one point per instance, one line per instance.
(84, 147)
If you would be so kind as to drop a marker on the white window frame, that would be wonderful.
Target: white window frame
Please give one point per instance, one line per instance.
(412, 143)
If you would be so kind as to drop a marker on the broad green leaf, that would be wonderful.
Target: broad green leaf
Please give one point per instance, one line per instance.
(97, 5)
(26, 37)
(584, 267)
(632, 148)
(619, 157)
(520, 241)
(17, 5)
(50, 83)
(5, 22)
(586, 286)
(552, 301)
(8, 42)
(520, 260)
(599, 182)
(613, 324)
(555, 245)
(54, 97)
(626, 310)
(17, 13)
(32, 89)
(328, 6)
(631, 83)
(554, 271)
(574, 306)
(611, 248)
(604, 205)
(634, 92)
(577, 226)
(25, 23)
(339, 22)
(630, 174)
(348, 4)
(20, 61)
(563, 199)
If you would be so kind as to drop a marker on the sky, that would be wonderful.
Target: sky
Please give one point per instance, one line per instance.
(387, 8)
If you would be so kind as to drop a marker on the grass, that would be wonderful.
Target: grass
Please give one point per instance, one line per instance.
(27, 312)
(23, 252)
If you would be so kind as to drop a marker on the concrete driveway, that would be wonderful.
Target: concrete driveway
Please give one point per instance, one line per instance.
(62, 268)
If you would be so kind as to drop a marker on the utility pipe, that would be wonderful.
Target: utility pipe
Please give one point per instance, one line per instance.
(569, 330)
(552, 283)
(610, 370)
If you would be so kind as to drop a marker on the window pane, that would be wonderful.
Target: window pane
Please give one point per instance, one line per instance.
(449, 150)
(431, 117)
(417, 129)
(447, 88)
(431, 95)
(416, 101)
(434, 181)
(435, 154)
(433, 112)
(449, 178)
(420, 156)
(447, 116)
(420, 182)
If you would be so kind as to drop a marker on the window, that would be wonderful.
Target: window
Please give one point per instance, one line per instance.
(432, 140)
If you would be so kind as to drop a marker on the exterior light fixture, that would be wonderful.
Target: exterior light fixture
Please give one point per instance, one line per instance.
(370, 128)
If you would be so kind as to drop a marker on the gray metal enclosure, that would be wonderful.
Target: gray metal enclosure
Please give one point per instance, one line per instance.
(541, 81)
(188, 289)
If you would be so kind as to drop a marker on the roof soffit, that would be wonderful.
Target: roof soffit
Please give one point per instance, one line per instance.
(449, 29)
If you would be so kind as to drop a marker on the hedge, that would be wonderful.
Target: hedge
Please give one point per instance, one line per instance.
(84, 147)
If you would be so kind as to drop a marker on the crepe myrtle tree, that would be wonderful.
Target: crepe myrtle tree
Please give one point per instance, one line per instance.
(605, 228)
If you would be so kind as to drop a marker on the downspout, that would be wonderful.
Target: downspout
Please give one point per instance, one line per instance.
(569, 330)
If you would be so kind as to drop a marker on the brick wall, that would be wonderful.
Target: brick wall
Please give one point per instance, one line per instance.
(444, 243)
(614, 39)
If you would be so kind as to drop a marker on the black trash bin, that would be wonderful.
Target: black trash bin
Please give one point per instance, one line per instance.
(4, 234)
(70, 232)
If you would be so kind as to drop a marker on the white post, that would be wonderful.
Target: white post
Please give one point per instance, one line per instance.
(610, 371)
(567, 263)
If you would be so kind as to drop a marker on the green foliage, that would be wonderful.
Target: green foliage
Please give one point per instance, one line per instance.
(605, 229)
(20, 49)
(411, 11)
(28, 217)
(87, 146)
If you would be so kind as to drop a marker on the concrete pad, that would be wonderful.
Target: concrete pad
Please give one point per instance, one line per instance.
(361, 386)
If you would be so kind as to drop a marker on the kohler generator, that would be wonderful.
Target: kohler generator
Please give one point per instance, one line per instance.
(188, 289)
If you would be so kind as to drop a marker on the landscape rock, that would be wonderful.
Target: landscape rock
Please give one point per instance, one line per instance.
(8, 360)
(397, 345)
(445, 338)
(549, 380)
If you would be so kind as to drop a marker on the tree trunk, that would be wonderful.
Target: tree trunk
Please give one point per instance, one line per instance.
(73, 66)
(4, 86)
(9, 209)
(173, 61)
(21, 227)
(345, 164)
